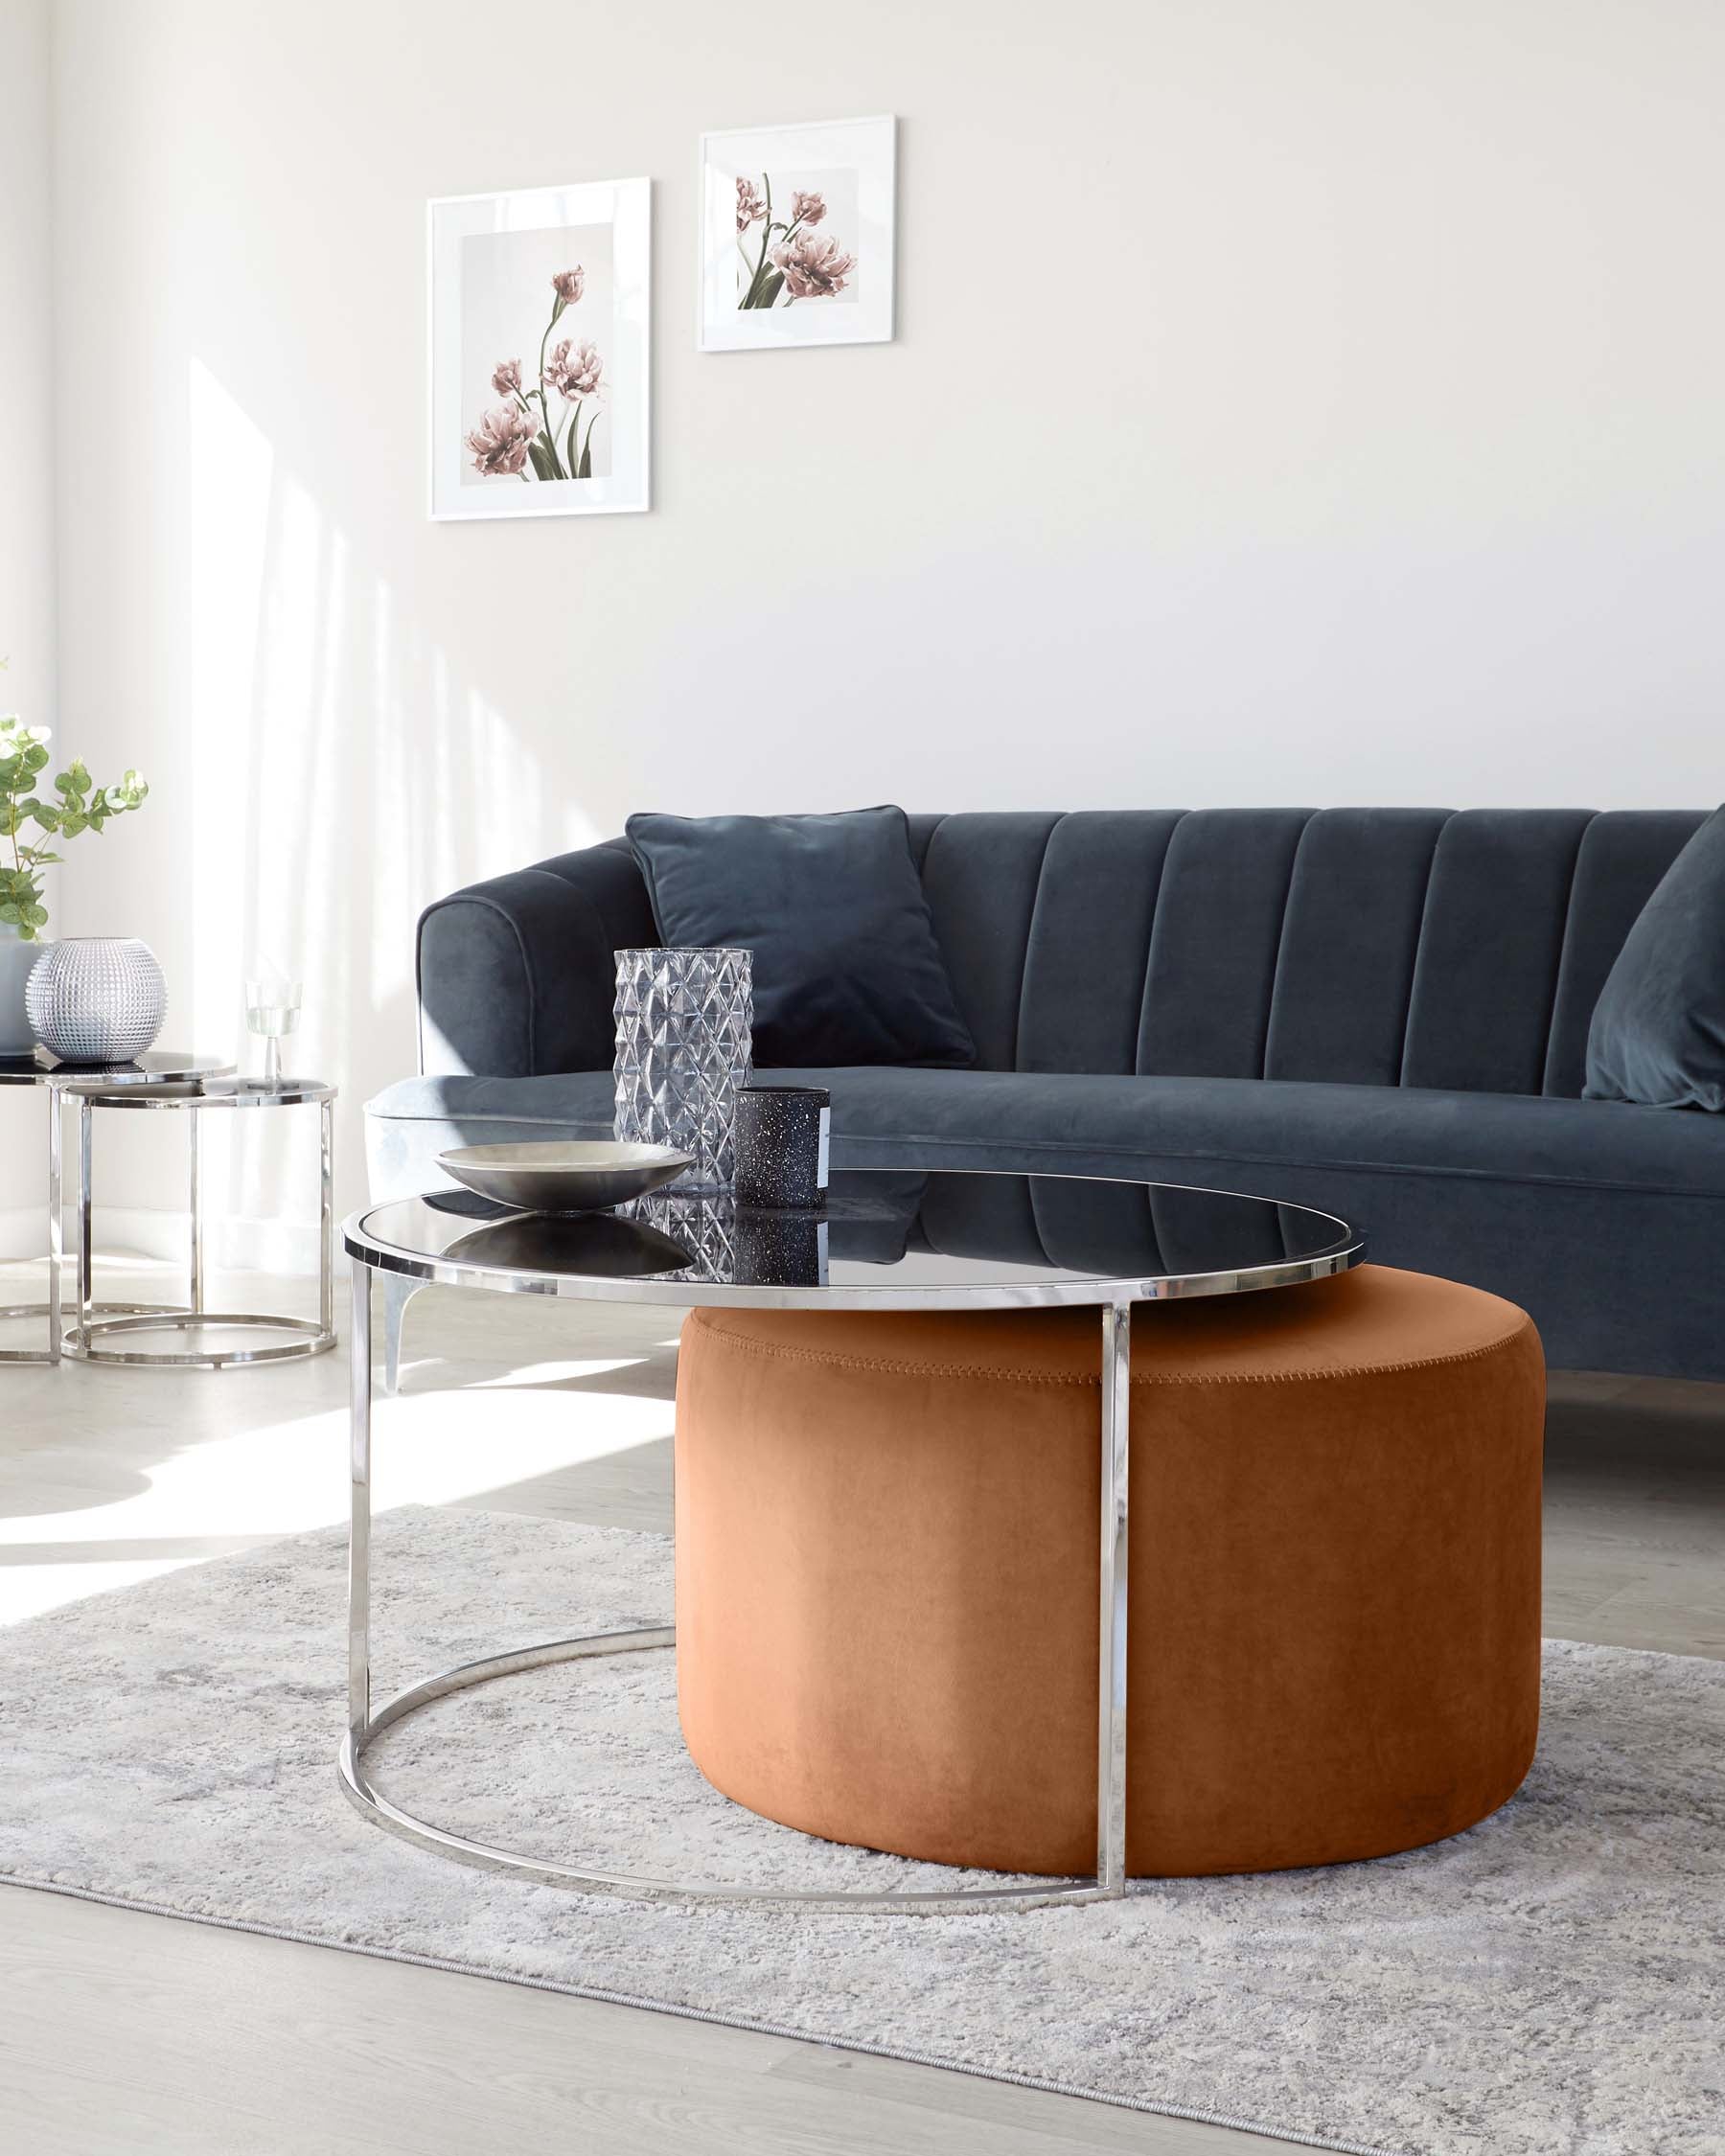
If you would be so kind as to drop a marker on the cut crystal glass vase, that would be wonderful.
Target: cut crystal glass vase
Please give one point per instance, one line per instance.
(705, 1225)
(685, 1021)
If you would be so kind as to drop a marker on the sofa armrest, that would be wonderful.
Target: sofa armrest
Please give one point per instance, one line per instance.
(516, 976)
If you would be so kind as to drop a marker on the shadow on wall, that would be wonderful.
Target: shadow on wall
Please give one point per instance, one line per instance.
(326, 814)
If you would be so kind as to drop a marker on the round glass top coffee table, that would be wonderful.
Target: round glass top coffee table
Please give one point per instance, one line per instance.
(888, 1239)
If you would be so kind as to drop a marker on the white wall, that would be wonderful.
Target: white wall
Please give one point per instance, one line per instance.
(26, 427)
(1313, 402)
(26, 367)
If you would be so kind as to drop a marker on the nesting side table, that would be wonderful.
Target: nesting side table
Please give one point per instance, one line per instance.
(95, 1335)
(159, 1066)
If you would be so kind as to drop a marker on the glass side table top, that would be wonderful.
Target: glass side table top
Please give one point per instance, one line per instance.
(888, 1239)
(155, 1066)
(212, 1091)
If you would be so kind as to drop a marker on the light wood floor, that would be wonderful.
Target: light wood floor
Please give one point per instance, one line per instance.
(125, 2035)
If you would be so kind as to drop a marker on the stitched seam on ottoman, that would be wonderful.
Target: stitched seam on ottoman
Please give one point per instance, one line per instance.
(897, 1366)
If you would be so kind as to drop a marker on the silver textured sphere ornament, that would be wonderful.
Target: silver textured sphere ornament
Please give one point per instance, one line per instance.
(96, 999)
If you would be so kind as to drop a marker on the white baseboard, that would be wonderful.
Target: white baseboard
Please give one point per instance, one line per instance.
(288, 1248)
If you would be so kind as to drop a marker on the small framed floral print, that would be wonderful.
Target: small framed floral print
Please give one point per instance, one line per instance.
(539, 306)
(796, 230)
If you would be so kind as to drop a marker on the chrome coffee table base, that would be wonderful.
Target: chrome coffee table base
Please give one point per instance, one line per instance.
(1237, 1244)
(1108, 1883)
(380, 1808)
(85, 1343)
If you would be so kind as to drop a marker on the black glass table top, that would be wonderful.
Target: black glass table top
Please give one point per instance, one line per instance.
(156, 1065)
(886, 1239)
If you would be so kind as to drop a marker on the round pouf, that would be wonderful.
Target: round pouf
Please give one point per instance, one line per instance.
(887, 1573)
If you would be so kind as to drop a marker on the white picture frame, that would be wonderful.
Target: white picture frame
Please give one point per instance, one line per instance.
(849, 169)
(500, 269)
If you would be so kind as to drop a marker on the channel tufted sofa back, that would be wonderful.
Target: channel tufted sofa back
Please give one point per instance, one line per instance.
(1457, 950)
(1416, 947)
(1379, 1012)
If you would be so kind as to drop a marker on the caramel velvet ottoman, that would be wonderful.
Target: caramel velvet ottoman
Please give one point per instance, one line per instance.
(887, 1574)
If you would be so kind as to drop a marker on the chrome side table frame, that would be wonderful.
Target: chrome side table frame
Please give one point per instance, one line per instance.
(159, 1067)
(1107, 1884)
(95, 1325)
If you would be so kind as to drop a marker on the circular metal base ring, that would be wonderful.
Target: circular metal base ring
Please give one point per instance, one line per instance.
(383, 1811)
(83, 1342)
(41, 1311)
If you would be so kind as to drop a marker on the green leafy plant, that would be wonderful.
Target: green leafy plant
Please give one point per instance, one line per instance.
(77, 806)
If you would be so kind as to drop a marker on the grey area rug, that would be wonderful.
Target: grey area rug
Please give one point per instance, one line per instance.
(1552, 1982)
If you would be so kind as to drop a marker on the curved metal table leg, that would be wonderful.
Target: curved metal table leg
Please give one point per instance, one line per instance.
(57, 1226)
(50, 1309)
(364, 1725)
(196, 1255)
(399, 1291)
(87, 1282)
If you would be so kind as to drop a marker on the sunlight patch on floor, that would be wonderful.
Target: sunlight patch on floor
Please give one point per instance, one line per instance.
(27, 1590)
(539, 1373)
(286, 1476)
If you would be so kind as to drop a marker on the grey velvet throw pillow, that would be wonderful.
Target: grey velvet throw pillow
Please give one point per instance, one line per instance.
(1658, 1031)
(847, 968)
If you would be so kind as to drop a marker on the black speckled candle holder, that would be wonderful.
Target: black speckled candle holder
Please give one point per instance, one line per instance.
(781, 1248)
(782, 1146)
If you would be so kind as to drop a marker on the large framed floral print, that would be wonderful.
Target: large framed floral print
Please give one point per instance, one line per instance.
(795, 243)
(539, 320)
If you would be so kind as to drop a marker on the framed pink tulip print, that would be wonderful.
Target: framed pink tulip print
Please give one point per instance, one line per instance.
(538, 309)
(797, 231)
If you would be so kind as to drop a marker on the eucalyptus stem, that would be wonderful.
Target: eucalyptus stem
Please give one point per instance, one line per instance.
(76, 805)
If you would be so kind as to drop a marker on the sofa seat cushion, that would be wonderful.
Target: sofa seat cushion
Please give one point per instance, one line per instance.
(1550, 1202)
(1025, 1122)
(1076, 1124)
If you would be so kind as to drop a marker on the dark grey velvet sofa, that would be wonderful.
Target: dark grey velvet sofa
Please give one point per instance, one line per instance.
(1383, 1012)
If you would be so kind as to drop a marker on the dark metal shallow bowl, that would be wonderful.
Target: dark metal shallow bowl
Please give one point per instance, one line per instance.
(564, 1174)
(596, 1243)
